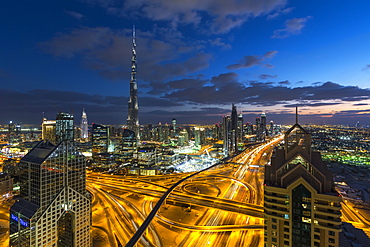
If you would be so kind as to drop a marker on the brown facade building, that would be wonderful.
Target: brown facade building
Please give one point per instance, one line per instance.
(301, 206)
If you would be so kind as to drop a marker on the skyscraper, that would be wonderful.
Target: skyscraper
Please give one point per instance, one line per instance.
(226, 134)
(263, 125)
(84, 125)
(133, 106)
(64, 127)
(174, 127)
(301, 206)
(48, 130)
(100, 138)
(234, 130)
(53, 208)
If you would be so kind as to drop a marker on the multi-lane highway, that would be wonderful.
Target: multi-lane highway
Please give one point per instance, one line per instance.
(221, 206)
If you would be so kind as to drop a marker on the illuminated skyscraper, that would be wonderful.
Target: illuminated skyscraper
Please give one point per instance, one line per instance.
(48, 130)
(84, 125)
(53, 208)
(263, 125)
(64, 127)
(240, 128)
(226, 134)
(234, 130)
(174, 127)
(100, 138)
(301, 206)
(133, 106)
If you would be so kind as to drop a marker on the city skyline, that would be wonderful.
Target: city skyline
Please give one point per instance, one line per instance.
(195, 59)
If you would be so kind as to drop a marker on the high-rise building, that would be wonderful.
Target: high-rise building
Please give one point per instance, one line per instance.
(240, 131)
(13, 133)
(263, 125)
(301, 206)
(174, 127)
(226, 134)
(258, 130)
(64, 128)
(234, 130)
(100, 138)
(54, 208)
(49, 130)
(84, 125)
(133, 105)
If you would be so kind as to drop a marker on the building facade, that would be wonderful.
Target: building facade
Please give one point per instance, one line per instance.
(6, 185)
(301, 207)
(54, 208)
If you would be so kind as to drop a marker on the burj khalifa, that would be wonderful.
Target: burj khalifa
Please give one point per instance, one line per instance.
(133, 106)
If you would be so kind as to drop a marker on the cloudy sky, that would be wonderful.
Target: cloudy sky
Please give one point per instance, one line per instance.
(195, 58)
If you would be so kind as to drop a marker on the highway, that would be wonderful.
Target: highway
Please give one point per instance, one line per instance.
(221, 206)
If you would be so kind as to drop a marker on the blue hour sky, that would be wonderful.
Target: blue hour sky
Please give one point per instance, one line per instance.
(195, 58)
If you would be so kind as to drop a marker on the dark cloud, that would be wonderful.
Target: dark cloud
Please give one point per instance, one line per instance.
(225, 89)
(292, 27)
(252, 60)
(108, 51)
(360, 104)
(223, 79)
(213, 16)
(284, 82)
(366, 67)
(266, 76)
(312, 104)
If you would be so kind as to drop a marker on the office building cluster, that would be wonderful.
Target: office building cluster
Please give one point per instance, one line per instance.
(234, 133)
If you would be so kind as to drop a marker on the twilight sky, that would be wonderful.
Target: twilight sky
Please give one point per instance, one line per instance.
(195, 58)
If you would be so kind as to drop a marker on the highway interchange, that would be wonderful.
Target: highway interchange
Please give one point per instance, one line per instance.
(222, 206)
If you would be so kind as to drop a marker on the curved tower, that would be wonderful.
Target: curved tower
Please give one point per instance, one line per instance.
(133, 106)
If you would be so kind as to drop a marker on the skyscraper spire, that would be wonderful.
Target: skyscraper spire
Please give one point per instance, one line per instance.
(133, 106)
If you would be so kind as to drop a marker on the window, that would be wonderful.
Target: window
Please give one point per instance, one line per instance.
(331, 240)
(306, 220)
(273, 239)
(274, 220)
(307, 213)
(274, 227)
(331, 233)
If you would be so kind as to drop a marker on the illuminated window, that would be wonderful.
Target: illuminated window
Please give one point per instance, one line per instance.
(306, 220)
